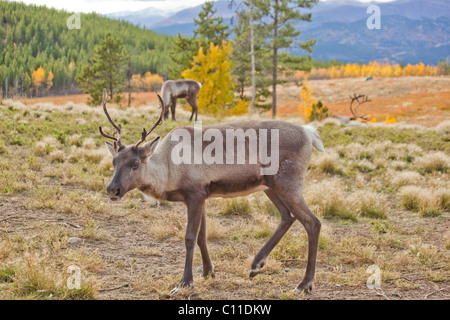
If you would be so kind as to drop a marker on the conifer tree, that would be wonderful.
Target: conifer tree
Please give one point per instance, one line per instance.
(107, 70)
(278, 20)
(208, 28)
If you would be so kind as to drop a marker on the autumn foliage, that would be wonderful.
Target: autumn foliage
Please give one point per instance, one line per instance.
(373, 69)
(41, 80)
(306, 105)
(38, 77)
(149, 82)
(213, 69)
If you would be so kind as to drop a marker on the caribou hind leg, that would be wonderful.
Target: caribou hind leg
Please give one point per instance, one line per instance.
(285, 224)
(297, 206)
(193, 103)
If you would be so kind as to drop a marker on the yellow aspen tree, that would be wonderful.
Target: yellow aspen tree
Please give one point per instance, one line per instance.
(213, 70)
(390, 120)
(420, 69)
(136, 81)
(49, 82)
(356, 70)
(347, 71)
(38, 77)
(397, 71)
(306, 106)
(153, 81)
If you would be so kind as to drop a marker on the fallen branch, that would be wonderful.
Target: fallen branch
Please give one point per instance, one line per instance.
(114, 288)
(405, 278)
(430, 294)
(382, 294)
(7, 218)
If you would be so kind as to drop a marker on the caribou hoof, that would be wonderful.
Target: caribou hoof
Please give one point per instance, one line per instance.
(182, 284)
(305, 286)
(257, 269)
(207, 272)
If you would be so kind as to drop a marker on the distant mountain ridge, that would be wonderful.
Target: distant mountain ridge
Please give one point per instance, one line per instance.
(144, 18)
(411, 30)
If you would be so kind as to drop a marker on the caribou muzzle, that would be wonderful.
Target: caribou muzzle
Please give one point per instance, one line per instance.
(114, 191)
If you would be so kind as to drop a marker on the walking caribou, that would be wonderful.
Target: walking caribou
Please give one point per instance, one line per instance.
(154, 167)
(172, 90)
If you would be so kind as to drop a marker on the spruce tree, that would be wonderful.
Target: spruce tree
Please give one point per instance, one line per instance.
(278, 20)
(208, 28)
(107, 70)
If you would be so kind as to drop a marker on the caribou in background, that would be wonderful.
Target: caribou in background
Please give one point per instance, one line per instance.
(172, 90)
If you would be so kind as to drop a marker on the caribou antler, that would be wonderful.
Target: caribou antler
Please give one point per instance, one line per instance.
(355, 111)
(118, 128)
(118, 140)
(146, 133)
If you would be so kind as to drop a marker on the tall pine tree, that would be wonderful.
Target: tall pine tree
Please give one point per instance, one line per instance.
(208, 28)
(107, 70)
(245, 70)
(278, 20)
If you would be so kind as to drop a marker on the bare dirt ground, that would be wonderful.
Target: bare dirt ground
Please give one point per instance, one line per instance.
(126, 273)
(139, 98)
(414, 100)
(419, 100)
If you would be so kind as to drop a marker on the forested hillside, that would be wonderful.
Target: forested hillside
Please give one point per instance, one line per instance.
(32, 37)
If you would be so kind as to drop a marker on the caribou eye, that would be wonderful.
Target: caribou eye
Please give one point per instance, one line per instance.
(135, 165)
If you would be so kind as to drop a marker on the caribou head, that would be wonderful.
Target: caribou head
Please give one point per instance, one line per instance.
(359, 102)
(129, 161)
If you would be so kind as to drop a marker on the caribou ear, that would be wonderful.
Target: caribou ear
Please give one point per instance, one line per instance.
(111, 149)
(149, 147)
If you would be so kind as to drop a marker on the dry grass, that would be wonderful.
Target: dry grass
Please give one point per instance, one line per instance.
(436, 161)
(426, 201)
(400, 179)
(380, 192)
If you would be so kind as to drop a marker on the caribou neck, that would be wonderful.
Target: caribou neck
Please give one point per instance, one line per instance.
(156, 176)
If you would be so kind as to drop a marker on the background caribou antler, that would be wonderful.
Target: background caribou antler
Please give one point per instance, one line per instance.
(354, 111)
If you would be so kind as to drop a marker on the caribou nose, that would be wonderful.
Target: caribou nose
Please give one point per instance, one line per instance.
(114, 192)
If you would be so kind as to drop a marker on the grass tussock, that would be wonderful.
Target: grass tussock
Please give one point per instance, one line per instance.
(436, 161)
(236, 206)
(328, 163)
(426, 201)
(405, 178)
(330, 199)
(27, 273)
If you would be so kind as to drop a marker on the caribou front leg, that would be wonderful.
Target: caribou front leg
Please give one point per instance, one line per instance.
(195, 205)
(208, 268)
(173, 104)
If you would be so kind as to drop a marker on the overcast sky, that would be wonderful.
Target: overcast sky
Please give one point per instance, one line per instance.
(108, 6)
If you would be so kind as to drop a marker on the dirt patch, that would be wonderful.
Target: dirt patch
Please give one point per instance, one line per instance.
(138, 99)
(130, 273)
(419, 100)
